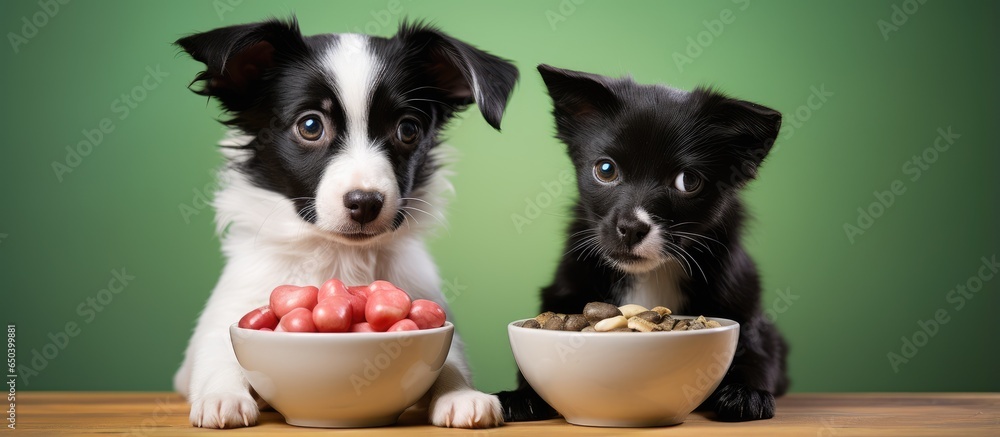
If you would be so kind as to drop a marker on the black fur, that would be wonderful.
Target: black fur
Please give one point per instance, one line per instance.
(267, 75)
(652, 133)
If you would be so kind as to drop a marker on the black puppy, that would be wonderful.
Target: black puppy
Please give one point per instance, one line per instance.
(659, 220)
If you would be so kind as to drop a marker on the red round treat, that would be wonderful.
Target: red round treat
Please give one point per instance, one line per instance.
(335, 287)
(403, 325)
(386, 307)
(286, 298)
(332, 314)
(259, 318)
(362, 327)
(332, 287)
(297, 320)
(381, 285)
(360, 290)
(426, 314)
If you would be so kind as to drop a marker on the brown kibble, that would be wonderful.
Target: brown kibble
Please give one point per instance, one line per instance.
(543, 317)
(651, 316)
(554, 324)
(605, 317)
(631, 309)
(642, 325)
(698, 323)
(597, 311)
(575, 322)
(661, 310)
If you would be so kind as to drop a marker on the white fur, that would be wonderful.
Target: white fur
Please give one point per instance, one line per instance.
(656, 281)
(360, 165)
(660, 286)
(353, 70)
(267, 244)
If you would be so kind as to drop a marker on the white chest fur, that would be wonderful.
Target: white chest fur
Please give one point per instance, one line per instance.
(660, 286)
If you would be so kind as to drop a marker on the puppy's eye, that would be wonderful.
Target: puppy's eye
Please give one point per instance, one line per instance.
(310, 128)
(408, 132)
(606, 171)
(687, 182)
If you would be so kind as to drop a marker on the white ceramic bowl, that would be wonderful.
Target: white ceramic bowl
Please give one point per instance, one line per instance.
(341, 380)
(624, 379)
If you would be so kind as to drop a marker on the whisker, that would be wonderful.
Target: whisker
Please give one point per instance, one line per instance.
(582, 232)
(278, 203)
(679, 233)
(695, 234)
(407, 214)
(580, 245)
(703, 276)
(590, 246)
(596, 249)
(421, 111)
(688, 270)
(423, 88)
(696, 241)
(418, 200)
(439, 219)
(679, 224)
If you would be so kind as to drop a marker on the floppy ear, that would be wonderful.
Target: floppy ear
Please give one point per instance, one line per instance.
(236, 58)
(464, 73)
(577, 95)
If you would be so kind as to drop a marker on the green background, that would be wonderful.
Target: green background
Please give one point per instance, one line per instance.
(120, 208)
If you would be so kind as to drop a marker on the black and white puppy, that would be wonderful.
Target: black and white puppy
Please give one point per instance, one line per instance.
(333, 172)
(659, 220)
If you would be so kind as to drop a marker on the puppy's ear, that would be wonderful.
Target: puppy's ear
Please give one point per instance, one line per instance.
(749, 129)
(462, 72)
(577, 95)
(236, 58)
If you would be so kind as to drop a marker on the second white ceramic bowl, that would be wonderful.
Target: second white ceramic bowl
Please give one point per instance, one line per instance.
(624, 379)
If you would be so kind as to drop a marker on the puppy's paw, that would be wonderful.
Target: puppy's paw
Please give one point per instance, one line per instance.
(739, 403)
(466, 409)
(224, 410)
(523, 405)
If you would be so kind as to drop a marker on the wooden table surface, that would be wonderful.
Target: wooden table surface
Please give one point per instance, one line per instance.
(868, 414)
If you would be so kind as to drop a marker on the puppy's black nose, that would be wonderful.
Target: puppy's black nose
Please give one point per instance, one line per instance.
(363, 205)
(632, 230)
